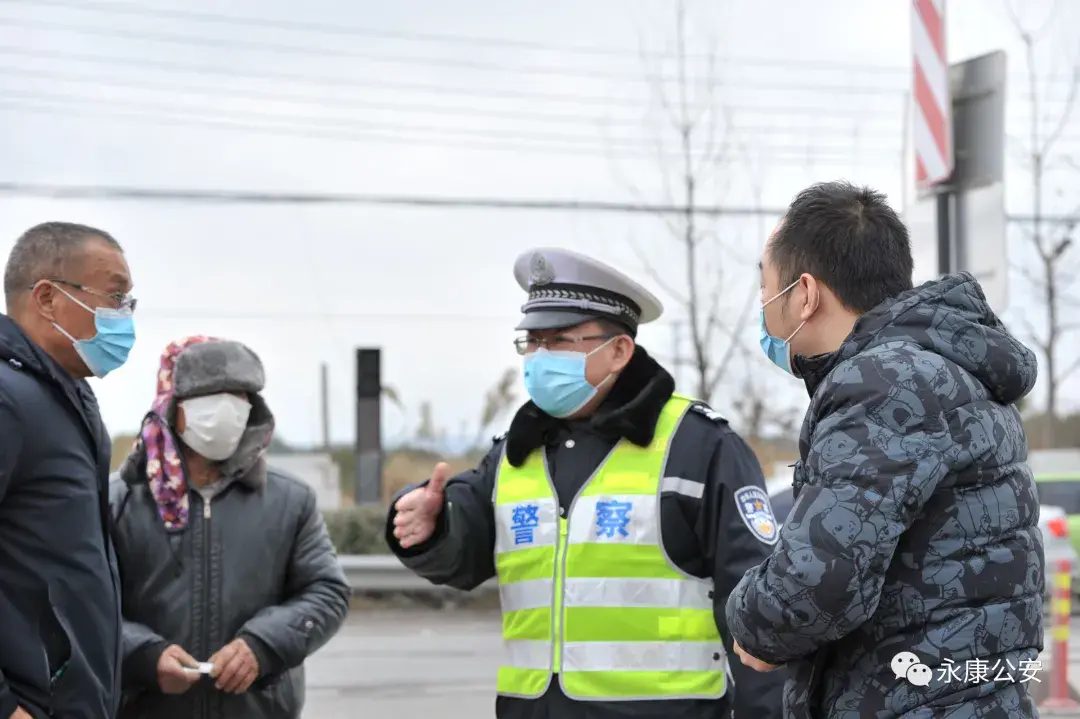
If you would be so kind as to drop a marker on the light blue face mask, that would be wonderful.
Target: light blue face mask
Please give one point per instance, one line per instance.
(778, 350)
(109, 348)
(556, 380)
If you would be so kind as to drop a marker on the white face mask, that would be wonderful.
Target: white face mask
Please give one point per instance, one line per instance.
(214, 424)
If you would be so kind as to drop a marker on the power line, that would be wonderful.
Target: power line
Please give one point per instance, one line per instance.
(802, 155)
(307, 79)
(1055, 219)
(469, 41)
(350, 125)
(770, 110)
(338, 101)
(337, 82)
(638, 143)
(101, 192)
(104, 192)
(233, 44)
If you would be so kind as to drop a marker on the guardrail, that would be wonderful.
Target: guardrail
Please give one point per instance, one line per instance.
(386, 573)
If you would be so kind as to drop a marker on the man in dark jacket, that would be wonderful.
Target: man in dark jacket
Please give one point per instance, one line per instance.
(615, 515)
(908, 579)
(229, 578)
(69, 317)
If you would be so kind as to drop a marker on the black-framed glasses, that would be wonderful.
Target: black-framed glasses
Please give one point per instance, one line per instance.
(555, 343)
(123, 302)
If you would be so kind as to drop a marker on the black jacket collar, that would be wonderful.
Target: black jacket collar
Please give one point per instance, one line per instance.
(629, 412)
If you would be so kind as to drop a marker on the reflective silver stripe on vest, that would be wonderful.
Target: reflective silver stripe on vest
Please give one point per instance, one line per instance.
(531, 594)
(608, 592)
(643, 656)
(641, 520)
(510, 535)
(527, 654)
(685, 487)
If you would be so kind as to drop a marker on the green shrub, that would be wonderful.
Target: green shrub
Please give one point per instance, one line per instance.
(358, 530)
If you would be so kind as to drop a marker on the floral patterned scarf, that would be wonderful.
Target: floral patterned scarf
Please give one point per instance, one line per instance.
(164, 470)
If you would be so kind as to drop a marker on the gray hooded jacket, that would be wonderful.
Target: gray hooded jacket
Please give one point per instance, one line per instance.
(254, 561)
(915, 523)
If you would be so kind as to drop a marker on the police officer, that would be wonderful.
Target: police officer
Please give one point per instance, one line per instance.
(616, 515)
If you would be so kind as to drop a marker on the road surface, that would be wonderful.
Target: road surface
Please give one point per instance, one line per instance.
(407, 664)
(440, 663)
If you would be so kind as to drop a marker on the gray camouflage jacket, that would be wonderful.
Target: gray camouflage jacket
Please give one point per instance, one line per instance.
(915, 523)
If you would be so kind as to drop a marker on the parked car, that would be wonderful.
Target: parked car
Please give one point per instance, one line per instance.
(1063, 490)
(1059, 519)
(1058, 543)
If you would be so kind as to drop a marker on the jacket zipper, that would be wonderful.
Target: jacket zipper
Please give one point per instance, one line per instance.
(207, 629)
(557, 617)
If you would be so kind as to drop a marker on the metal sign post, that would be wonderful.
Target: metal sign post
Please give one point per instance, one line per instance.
(368, 427)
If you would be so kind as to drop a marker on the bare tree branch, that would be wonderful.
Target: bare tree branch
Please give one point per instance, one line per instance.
(1018, 152)
(498, 400)
(650, 270)
(736, 341)
(1029, 275)
(1029, 330)
(690, 173)
(393, 396)
(713, 319)
(1014, 18)
(1068, 371)
(1066, 114)
(1051, 246)
(664, 217)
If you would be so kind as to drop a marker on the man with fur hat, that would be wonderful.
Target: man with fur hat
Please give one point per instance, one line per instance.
(229, 579)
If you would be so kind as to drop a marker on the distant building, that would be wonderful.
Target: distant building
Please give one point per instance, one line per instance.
(317, 469)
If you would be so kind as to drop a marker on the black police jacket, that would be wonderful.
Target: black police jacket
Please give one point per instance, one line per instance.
(705, 536)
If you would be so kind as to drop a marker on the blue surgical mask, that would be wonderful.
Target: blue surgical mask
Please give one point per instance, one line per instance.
(556, 380)
(109, 348)
(778, 350)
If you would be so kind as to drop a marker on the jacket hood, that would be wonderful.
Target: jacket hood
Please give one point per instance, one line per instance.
(949, 317)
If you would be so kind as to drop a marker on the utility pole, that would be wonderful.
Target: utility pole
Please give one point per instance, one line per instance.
(324, 398)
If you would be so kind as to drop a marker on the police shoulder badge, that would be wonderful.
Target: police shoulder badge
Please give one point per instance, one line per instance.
(540, 272)
(709, 412)
(756, 512)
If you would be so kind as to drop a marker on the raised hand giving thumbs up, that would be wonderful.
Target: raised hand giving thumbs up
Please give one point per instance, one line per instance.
(418, 511)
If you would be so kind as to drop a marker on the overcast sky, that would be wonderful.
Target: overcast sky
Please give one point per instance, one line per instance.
(465, 99)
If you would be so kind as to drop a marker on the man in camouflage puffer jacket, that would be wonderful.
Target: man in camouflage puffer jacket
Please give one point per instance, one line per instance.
(915, 525)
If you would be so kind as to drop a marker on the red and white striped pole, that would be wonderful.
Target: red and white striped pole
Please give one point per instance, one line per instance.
(1059, 698)
(932, 118)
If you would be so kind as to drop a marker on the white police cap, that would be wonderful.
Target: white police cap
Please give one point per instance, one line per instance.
(566, 288)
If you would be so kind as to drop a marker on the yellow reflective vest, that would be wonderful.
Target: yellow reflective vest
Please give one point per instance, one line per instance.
(594, 597)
